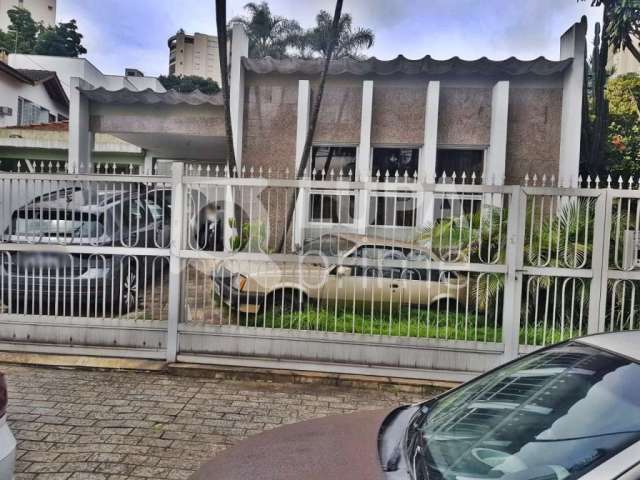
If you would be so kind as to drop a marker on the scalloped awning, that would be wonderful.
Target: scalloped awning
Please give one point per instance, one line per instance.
(150, 97)
(512, 66)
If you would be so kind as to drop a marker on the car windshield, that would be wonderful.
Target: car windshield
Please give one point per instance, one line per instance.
(328, 246)
(553, 415)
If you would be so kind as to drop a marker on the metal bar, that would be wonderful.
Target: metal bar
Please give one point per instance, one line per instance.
(175, 262)
(513, 278)
(599, 262)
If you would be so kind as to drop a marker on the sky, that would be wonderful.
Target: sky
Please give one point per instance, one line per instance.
(134, 33)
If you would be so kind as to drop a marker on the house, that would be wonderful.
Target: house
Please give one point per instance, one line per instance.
(42, 134)
(421, 118)
(29, 96)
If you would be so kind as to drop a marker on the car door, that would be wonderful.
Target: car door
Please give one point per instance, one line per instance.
(367, 282)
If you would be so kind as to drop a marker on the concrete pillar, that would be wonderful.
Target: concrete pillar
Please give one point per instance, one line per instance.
(239, 49)
(81, 139)
(573, 45)
(429, 153)
(363, 162)
(148, 163)
(495, 162)
(301, 216)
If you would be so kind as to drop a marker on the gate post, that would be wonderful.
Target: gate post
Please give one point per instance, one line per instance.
(600, 262)
(175, 265)
(513, 277)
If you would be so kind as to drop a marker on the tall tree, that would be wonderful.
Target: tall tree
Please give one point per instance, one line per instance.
(317, 40)
(63, 40)
(221, 26)
(623, 28)
(189, 83)
(313, 120)
(22, 33)
(269, 35)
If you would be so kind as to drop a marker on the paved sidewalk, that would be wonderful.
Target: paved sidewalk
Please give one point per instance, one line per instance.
(117, 425)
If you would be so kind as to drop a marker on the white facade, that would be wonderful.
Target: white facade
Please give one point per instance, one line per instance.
(195, 54)
(14, 91)
(41, 10)
(67, 68)
(623, 62)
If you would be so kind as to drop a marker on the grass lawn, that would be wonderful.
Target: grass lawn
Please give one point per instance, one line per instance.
(405, 322)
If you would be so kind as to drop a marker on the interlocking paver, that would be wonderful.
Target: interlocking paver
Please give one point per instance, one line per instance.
(120, 425)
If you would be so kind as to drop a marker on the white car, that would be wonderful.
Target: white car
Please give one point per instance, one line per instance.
(7, 441)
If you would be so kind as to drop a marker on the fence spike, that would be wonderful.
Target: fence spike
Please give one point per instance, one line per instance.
(553, 180)
(526, 179)
(544, 179)
(588, 181)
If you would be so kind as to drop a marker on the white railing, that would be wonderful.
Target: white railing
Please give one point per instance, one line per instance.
(393, 272)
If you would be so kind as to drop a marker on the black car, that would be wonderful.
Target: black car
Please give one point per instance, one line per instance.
(52, 281)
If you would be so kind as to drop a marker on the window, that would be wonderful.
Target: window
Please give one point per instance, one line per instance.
(336, 159)
(460, 161)
(392, 209)
(331, 206)
(62, 118)
(392, 161)
(29, 113)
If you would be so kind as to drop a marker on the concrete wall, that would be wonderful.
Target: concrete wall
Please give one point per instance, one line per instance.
(398, 111)
(533, 135)
(11, 89)
(270, 113)
(339, 119)
(465, 115)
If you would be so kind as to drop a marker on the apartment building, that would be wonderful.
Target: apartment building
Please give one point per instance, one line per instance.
(195, 54)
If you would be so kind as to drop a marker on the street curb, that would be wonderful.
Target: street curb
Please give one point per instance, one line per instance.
(273, 375)
(81, 362)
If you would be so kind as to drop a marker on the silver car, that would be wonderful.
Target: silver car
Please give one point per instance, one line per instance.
(565, 412)
(7, 442)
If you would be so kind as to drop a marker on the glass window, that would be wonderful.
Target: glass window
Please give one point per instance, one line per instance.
(336, 159)
(59, 224)
(331, 207)
(396, 211)
(327, 245)
(460, 161)
(556, 414)
(394, 160)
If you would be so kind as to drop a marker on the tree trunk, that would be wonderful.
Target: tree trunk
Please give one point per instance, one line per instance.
(221, 25)
(312, 121)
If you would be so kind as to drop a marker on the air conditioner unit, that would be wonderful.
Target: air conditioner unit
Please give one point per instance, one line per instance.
(6, 111)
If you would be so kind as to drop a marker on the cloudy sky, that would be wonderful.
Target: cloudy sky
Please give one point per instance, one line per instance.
(133, 33)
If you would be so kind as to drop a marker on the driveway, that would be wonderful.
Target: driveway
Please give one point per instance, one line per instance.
(119, 425)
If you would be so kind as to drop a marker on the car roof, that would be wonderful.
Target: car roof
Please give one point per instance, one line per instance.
(624, 343)
(78, 199)
(380, 241)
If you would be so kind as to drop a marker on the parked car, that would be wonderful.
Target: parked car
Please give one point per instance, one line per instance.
(341, 268)
(7, 442)
(561, 413)
(39, 281)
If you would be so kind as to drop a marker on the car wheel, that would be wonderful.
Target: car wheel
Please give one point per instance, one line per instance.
(286, 301)
(130, 290)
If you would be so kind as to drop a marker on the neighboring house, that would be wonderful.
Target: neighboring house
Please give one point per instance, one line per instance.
(29, 96)
(41, 11)
(27, 147)
(195, 54)
(622, 62)
(67, 68)
(32, 148)
(423, 118)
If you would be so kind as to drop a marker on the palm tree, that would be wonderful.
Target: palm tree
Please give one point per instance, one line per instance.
(313, 120)
(221, 25)
(269, 35)
(317, 40)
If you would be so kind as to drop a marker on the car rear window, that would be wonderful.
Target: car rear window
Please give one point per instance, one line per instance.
(64, 224)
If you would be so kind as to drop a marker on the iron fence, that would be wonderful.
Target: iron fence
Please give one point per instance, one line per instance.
(389, 272)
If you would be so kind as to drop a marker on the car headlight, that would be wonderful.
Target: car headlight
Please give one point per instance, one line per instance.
(238, 281)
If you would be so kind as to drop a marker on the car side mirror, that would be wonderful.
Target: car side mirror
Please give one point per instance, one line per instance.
(343, 272)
